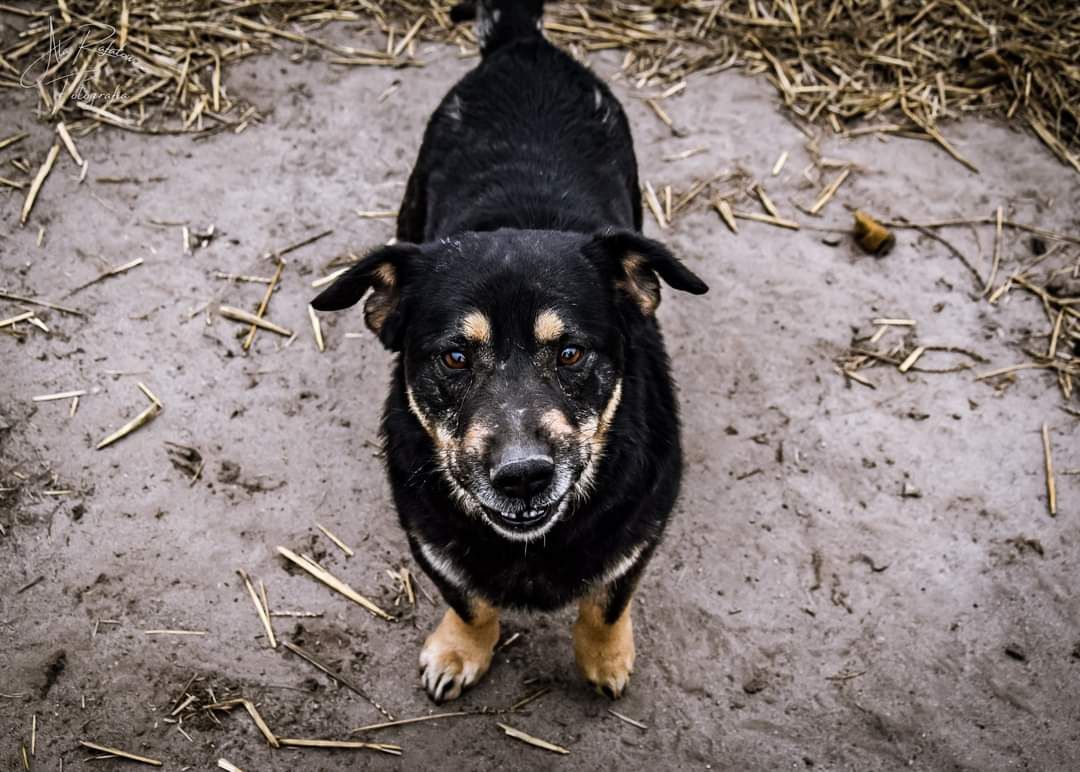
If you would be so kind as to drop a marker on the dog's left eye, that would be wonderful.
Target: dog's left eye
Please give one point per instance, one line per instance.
(455, 360)
(570, 356)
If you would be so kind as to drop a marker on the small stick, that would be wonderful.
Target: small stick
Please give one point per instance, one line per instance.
(912, 358)
(517, 734)
(313, 661)
(33, 734)
(684, 154)
(242, 277)
(256, 321)
(292, 742)
(13, 139)
(1048, 459)
(829, 191)
(341, 545)
(895, 322)
(38, 323)
(663, 116)
(333, 582)
(997, 252)
(44, 303)
(74, 407)
(39, 180)
(1011, 369)
(228, 766)
(627, 719)
(317, 328)
(1055, 335)
(149, 394)
(60, 395)
(264, 615)
(264, 304)
(252, 711)
(120, 753)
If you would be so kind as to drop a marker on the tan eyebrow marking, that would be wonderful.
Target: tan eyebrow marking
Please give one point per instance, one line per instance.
(548, 326)
(476, 327)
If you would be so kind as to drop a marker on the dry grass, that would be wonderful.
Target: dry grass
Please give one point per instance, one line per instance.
(906, 66)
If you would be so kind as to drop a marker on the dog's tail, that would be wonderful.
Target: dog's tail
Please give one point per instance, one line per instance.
(499, 22)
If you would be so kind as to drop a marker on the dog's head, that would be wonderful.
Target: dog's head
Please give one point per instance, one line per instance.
(512, 344)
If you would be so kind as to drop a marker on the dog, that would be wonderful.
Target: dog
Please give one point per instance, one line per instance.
(531, 429)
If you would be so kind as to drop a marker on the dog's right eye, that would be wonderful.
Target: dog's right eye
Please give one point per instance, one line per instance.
(455, 360)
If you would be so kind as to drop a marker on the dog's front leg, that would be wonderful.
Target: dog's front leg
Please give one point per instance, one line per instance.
(604, 639)
(458, 653)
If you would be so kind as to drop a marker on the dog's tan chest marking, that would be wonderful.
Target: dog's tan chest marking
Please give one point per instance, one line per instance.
(604, 653)
(476, 327)
(548, 327)
(458, 653)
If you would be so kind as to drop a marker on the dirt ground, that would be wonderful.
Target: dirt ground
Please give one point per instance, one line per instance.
(855, 578)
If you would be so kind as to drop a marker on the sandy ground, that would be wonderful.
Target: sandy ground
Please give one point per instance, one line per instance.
(803, 611)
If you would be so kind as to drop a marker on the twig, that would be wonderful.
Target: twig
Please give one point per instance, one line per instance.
(338, 677)
(517, 734)
(39, 180)
(120, 753)
(1048, 459)
(263, 305)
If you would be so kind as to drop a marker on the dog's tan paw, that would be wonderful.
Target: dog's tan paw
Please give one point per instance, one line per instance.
(458, 654)
(605, 653)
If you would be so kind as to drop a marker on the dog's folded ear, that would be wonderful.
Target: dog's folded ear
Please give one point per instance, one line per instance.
(383, 272)
(636, 261)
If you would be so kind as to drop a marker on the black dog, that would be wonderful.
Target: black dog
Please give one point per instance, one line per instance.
(531, 429)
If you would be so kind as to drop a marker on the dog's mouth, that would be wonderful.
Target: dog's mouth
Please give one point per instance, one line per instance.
(523, 520)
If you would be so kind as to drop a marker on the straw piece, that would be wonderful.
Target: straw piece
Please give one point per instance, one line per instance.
(1048, 461)
(69, 143)
(517, 734)
(272, 740)
(333, 582)
(260, 609)
(328, 279)
(376, 214)
(228, 766)
(143, 418)
(724, 208)
(777, 167)
(16, 319)
(912, 358)
(111, 272)
(240, 315)
(17, 137)
(39, 180)
(317, 329)
(340, 544)
(829, 191)
(894, 322)
(174, 632)
(767, 219)
(766, 202)
(120, 753)
(60, 395)
(312, 660)
(997, 252)
(263, 306)
(44, 303)
(654, 205)
(627, 719)
(292, 742)
(406, 721)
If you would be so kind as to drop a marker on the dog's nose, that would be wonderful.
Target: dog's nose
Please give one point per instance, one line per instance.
(523, 478)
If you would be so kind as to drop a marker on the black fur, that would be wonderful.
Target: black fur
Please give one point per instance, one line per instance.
(525, 197)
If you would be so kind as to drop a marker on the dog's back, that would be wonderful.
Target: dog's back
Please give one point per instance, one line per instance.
(530, 138)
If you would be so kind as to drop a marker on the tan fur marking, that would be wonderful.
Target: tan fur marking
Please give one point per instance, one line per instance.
(604, 653)
(476, 327)
(383, 298)
(476, 438)
(555, 424)
(458, 653)
(640, 284)
(548, 327)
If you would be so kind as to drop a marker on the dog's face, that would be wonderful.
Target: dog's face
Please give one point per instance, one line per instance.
(512, 344)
